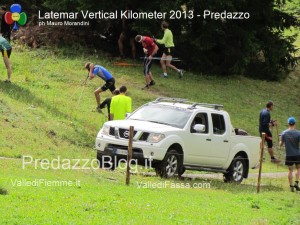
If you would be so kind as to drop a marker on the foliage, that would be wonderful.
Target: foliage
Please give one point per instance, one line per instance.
(255, 47)
(241, 46)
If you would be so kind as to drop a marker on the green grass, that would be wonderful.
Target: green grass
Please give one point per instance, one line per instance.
(44, 114)
(104, 198)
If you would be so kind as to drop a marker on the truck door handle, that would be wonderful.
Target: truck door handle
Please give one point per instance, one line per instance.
(226, 141)
(208, 139)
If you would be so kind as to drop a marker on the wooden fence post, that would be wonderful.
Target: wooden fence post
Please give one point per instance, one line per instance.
(262, 144)
(129, 155)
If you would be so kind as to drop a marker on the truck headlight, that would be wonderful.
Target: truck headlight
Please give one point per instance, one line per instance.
(105, 130)
(155, 138)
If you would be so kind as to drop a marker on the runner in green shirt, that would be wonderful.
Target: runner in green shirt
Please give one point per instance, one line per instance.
(6, 51)
(166, 58)
(120, 105)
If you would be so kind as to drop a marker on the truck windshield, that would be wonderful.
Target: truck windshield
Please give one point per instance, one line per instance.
(167, 115)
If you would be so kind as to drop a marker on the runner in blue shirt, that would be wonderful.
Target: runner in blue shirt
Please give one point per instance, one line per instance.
(291, 139)
(104, 74)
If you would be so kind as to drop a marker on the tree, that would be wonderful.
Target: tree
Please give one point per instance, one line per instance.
(256, 46)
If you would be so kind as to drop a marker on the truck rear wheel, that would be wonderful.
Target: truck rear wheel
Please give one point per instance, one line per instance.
(236, 170)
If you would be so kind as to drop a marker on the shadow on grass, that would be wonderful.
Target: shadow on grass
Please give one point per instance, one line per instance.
(199, 183)
(24, 95)
(234, 187)
(219, 184)
(3, 191)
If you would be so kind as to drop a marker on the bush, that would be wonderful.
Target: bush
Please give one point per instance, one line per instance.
(255, 47)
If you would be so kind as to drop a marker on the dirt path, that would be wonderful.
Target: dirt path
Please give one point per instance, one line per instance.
(6, 158)
(202, 175)
(251, 175)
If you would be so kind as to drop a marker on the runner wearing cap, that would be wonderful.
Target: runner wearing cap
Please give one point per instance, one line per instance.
(291, 139)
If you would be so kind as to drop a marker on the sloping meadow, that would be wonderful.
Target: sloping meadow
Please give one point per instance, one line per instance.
(48, 116)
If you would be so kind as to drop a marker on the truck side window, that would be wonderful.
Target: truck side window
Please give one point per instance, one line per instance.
(200, 118)
(218, 123)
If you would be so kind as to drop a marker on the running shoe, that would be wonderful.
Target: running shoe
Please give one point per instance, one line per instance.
(152, 83)
(180, 74)
(146, 87)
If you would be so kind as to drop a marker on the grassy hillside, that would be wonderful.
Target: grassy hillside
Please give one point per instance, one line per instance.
(46, 113)
(46, 107)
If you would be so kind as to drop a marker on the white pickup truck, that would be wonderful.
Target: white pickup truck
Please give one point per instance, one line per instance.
(175, 135)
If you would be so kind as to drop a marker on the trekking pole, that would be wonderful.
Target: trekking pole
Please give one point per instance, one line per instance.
(275, 124)
(279, 138)
(159, 58)
(79, 99)
(277, 133)
(83, 83)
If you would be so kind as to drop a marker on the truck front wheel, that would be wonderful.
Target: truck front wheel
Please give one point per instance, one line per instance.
(107, 162)
(171, 164)
(235, 172)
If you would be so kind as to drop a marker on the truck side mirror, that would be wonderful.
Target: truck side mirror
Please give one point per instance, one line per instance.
(199, 128)
(127, 115)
